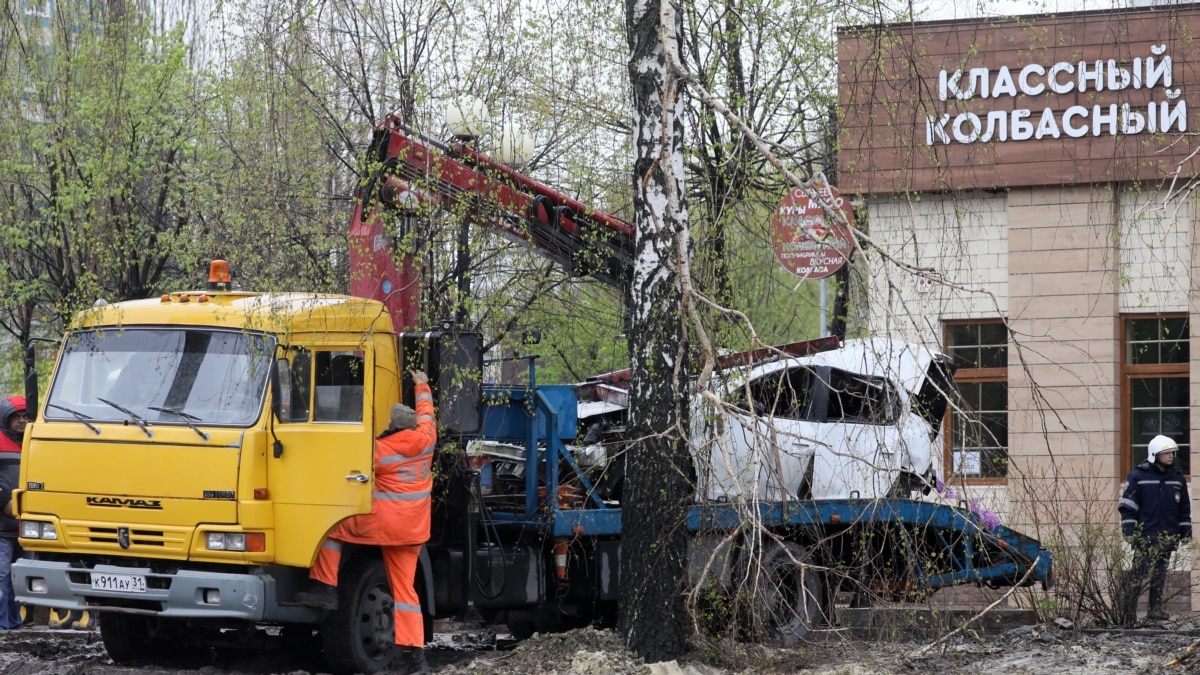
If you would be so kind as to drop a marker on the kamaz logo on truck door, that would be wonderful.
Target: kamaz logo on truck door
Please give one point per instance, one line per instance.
(123, 502)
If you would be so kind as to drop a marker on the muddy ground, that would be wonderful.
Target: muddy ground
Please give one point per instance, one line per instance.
(1170, 648)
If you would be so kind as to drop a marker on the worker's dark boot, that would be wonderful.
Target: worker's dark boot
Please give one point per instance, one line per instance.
(416, 661)
(319, 595)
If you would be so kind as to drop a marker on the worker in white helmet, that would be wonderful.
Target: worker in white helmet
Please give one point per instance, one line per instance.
(1156, 514)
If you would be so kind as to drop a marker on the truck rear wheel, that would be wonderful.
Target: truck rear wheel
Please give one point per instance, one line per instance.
(789, 596)
(360, 636)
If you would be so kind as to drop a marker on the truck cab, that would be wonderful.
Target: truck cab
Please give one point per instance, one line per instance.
(192, 453)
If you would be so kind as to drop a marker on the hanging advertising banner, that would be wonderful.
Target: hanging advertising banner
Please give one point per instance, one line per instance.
(807, 241)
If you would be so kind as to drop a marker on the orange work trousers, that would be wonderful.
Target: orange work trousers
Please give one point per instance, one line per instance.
(401, 563)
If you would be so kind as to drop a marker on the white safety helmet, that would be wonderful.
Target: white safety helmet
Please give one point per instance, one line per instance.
(1159, 444)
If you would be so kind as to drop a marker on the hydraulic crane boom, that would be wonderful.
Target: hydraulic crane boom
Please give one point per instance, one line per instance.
(413, 174)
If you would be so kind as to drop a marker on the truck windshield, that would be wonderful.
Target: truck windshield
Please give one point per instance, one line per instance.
(164, 375)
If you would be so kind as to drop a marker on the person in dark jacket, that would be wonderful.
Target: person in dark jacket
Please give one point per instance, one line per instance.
(12, 433)
(1156, 514)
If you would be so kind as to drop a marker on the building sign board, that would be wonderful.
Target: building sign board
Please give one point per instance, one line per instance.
(1063, 99)
(808, 242)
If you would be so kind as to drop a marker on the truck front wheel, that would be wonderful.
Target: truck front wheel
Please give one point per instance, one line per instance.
(119, 635)
(360, 636)
(127, 638)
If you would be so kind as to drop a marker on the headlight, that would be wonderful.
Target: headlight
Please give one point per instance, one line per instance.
(36, 529)
(226, 541)
(235, 541)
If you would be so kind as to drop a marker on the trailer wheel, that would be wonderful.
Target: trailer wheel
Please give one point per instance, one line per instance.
(788, 597)
(360, 636)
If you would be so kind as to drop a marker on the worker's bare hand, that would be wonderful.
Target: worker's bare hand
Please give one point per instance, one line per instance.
(419, 377)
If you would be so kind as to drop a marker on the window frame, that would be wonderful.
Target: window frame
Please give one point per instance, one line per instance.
(1129, 372)
(964, 375)
(323, 374)
(307, 383)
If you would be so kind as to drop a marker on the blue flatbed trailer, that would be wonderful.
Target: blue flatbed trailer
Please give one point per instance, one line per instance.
(541, 419)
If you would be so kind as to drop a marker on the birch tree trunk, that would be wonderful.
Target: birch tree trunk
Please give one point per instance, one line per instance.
(653, 615)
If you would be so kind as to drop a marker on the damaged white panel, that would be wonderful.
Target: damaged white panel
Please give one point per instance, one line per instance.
(836, 424)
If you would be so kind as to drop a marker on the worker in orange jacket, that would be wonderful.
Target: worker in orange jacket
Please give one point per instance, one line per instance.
(398, 522)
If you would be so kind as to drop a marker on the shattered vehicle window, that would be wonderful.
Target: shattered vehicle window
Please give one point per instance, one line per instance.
(784, 394)
(859, 399)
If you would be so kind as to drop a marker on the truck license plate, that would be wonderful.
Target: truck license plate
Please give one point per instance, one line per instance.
(129, 583)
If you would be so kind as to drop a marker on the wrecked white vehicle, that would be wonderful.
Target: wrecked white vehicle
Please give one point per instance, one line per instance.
(862, 420)
(810, 420)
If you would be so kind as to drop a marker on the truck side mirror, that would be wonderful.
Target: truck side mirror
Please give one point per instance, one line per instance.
(281, 389)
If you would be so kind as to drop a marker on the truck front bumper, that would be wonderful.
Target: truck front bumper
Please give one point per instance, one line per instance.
(183, 594)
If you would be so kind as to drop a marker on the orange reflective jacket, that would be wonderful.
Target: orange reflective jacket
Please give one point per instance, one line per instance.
(400, 505)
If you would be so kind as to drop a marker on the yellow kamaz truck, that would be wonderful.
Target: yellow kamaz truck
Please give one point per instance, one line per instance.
(190, 456)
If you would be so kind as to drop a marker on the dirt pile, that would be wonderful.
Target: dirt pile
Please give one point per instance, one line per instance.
(1172, 648)
(1030, 649)
(580, 652)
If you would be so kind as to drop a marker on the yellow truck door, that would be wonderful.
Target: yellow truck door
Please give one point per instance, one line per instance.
(320, 470)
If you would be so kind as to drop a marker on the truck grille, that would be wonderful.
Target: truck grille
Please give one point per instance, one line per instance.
(161, 540)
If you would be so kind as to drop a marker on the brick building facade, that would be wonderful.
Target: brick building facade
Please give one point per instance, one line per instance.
(1026, 185)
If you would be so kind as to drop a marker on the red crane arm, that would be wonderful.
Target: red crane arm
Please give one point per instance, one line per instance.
(413, 174)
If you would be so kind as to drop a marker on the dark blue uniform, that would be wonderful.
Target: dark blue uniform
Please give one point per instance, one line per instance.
(1156, 505)
(1156, 514)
